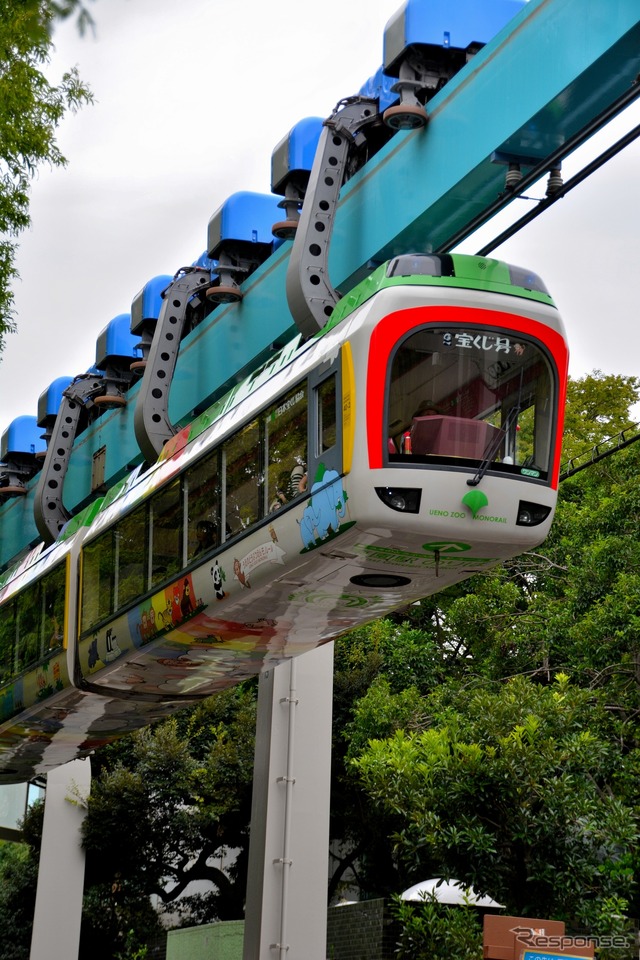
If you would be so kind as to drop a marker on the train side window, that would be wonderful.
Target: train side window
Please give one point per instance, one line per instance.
(32, 624)
(166, 527)
(7, 641)
(131, 557)
(203, 504)
(325, 420)
(28, 634)
(243, 478)
(97, 580)
(53, 588)
(286, 448)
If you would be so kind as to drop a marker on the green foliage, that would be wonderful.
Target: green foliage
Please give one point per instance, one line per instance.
(507, 790)
(380, 713)
(597, 407)
(122, 921)
(31, 109)
(591, 620)
(609, 918)
(167, 805)
(381, 673)
(433, 931)
(532, 797)
(18, 878)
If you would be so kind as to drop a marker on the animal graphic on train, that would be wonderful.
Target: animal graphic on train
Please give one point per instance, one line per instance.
(326, 508)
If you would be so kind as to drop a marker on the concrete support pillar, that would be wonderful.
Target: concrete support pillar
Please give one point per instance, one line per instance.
(286, 911)
(56, 924)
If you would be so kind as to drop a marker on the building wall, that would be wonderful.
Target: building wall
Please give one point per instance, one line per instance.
(213, 941)
(360, 931)
(355, 931)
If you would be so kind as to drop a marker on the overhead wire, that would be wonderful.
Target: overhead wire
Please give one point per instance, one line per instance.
(546, 164)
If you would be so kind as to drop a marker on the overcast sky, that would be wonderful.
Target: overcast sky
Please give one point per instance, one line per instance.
(191, 99)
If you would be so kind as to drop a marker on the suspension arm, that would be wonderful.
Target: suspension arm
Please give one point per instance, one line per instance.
(151, 421)
(310, 295)
(49, 511)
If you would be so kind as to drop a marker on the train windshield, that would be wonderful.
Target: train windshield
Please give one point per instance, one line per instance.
(471, 395)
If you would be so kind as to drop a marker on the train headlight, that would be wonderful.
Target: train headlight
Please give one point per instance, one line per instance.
(402, 499)
(531, 514)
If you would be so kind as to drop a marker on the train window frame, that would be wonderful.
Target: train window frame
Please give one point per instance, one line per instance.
(92, 554)
(203, 502)
(217, 451)
(396, 458)
(285, 469)
(7, 641)
(245, 445)
(331, 457)
(128, 565)
(172, 495)
(34, 596)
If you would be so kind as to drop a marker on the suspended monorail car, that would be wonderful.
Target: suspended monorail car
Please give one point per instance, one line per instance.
(413, 442)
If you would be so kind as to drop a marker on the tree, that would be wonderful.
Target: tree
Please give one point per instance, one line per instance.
(370, 664)
(598, 407)
(168, 805)
(31, 109)
(18, 880)
(436, 931)
(460, 746)
(509, 789)
(568, 607)
(496, 769)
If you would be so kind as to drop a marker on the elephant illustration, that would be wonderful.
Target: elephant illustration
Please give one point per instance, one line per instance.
(326, 508)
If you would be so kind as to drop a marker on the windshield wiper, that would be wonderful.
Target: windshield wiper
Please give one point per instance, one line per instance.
(512, 416)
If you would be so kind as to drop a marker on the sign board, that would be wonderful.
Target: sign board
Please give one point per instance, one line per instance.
(14, 800)
(545, 955)
(505, 937)
(13, 805)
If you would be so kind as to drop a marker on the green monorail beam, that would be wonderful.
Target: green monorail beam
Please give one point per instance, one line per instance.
(536, 87)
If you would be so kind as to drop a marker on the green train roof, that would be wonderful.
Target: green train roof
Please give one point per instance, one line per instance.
(448, 270)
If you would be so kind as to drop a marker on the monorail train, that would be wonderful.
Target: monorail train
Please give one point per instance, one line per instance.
(411, 443)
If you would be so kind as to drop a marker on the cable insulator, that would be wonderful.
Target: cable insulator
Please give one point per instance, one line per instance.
(555, 182)
(513, 177)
